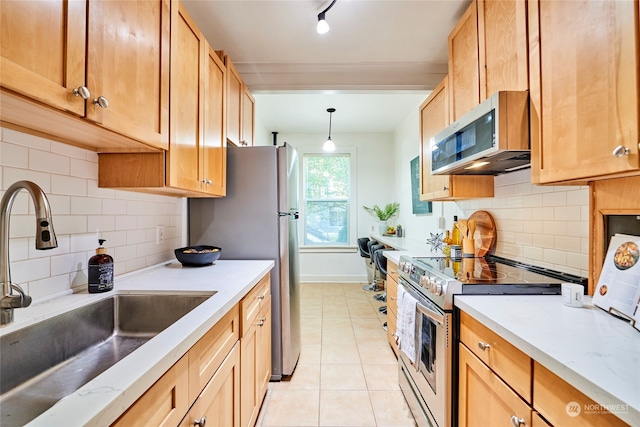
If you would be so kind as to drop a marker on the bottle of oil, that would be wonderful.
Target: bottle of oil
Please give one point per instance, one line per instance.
(455, 233)
(446, 251)
(100, 270)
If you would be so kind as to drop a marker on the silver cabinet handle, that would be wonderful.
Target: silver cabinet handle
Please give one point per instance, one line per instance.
(261, 322)
(201, 422)
(392, 298)
(516, 422)
(82, 92)
(483, 346)
(101, 101)
(620, 151)
(206, 181)
(445, 188)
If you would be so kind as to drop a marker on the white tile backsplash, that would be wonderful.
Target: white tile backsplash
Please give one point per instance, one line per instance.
(82, 212)
(541, 225)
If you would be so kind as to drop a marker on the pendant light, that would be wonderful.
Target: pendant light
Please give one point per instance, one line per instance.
(323, 27)
(329, 146)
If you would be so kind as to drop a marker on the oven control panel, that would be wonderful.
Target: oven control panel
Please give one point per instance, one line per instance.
(427, 281)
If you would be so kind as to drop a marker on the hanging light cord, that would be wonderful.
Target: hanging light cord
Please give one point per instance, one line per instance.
(330, 114)
(321, 14)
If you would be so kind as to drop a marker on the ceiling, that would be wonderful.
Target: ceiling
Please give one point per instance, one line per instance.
(377, 63)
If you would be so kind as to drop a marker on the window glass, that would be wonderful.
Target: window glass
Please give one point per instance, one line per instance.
(326, 199)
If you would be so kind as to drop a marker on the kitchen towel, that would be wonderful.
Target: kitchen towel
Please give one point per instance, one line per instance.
(406, 325)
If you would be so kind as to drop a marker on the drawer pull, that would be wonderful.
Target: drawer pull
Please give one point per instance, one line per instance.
(82, 92)
(392, 298)
(261, 322)
(101, 102)
(201, 422)
(483, 346)
(260, 296)
(517, 422)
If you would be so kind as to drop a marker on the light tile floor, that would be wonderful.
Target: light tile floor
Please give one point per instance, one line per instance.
(347, 374)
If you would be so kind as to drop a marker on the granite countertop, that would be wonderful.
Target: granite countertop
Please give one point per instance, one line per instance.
(592, 350)
(106, 397)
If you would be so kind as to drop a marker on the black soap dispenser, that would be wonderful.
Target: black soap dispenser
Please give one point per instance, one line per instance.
(100, 270)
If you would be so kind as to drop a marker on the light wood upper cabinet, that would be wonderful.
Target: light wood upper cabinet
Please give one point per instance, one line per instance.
(502, 46)
(584, 89)
(88, 45)
(27, 28)
(434, 117)
(195, 163)
(240, 107)
(487, 53)
(464, 73)
(248, 116)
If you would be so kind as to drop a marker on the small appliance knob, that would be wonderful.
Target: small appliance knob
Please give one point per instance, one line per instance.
(424, 281)
(437, 287)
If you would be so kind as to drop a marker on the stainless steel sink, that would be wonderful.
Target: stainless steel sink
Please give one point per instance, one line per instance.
(44, 362)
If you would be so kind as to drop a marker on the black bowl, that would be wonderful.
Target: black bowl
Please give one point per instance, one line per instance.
(197, 256)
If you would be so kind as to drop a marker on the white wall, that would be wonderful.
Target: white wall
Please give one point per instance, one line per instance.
(69, 177)
(374, 173)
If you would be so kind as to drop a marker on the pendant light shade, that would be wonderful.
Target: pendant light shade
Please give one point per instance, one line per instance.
(323, 26)
(329, 145)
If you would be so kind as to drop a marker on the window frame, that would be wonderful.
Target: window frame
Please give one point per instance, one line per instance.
(352, 219)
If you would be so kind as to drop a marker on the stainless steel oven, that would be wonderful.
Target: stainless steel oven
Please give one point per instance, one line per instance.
(428, 380)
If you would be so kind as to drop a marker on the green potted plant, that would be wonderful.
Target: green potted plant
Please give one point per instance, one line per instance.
(389, 211)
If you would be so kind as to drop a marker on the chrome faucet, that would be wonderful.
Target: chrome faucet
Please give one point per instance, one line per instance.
(45, 239)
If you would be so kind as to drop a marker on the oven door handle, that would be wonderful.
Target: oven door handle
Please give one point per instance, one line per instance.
(436, 317)
(431, 314)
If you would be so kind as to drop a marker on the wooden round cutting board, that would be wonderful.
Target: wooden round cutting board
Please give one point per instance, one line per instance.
(485, 235)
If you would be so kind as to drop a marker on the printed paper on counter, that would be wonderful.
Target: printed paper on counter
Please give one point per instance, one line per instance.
(619, 284)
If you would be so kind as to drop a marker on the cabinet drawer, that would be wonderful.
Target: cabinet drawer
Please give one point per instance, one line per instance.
(253, 302)
(511, 364)
(484, 399)
(164, 403)
(392, 270)
(392, 295)
(208, 353)
(563, 405)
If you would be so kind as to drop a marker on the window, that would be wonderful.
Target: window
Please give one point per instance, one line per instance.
(326, 199)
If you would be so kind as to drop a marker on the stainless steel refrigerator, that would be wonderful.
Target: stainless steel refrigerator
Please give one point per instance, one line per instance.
(258, 220)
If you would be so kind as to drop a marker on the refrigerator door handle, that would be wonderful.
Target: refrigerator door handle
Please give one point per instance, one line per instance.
(295, 215)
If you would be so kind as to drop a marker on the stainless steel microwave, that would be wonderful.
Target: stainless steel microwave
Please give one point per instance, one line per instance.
(491, 139)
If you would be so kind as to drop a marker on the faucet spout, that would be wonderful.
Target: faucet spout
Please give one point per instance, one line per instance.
(45, 239)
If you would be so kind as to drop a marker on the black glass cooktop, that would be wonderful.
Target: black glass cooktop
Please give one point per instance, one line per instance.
(493, 270)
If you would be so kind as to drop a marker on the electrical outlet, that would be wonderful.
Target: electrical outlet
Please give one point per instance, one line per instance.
(159, 234)
(373, 228)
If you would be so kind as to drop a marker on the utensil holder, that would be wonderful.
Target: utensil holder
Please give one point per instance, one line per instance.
(468, 248)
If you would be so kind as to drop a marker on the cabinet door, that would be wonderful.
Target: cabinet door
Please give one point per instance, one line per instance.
(584, 89)
(434, 117)
(42, 51)
(484, 399)
(264, 355)
(464, 74)
(234, 103)
(219, 403)
(248, 111)
(214, 146)
(248, 375)
(128, 64)
(164, 404)
(564, 405)
(187, 101)
(502, 46)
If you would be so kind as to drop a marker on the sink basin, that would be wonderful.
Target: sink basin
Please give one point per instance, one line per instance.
(46, 361)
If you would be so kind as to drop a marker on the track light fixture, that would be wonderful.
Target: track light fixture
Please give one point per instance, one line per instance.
(323, 27)
(329, 145)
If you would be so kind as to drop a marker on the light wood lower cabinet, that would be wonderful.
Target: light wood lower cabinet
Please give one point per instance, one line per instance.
(165, 403)
(500, 385)
(223, 378)
(563, 405)
(255, 353)
(219, 402)
(486, 400)
(392, 305)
